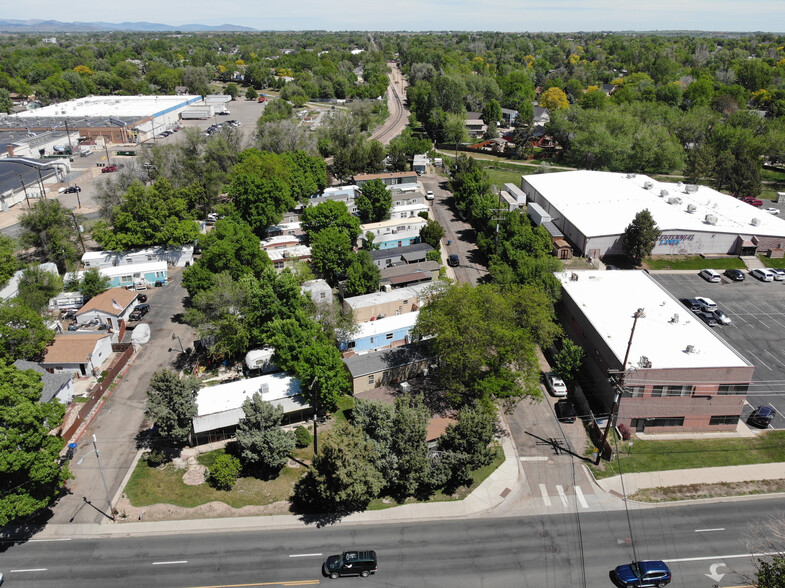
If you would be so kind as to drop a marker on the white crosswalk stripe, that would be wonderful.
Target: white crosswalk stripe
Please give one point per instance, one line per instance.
(562, 495)
(581, 498)
(545, 497)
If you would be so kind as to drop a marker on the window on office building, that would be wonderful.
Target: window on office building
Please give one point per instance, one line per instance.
(731, 419)
(665, 422)
(732, 389)
(636, 391)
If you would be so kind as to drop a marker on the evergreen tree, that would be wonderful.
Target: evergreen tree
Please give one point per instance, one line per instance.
(640, 237)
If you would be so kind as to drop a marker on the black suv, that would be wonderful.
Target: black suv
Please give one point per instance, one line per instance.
(761, 417)
(351, 563)
(565, 412)
(138, 312)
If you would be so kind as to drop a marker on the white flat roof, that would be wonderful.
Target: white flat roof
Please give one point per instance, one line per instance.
(607, 301)
(409, 207)
(110, 106)
(605, 203)
(382, 297)
(392, 223)
(386, 325)
(279, 240)
(288, 252)
(231, 395)
(133, 268)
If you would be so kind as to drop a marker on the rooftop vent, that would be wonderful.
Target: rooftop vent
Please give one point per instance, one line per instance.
(674, 200)
(691, 208)
(711, 219)
(573, 277)
(691, 188)
(680, 184)
(674, 319)
(630, 176)
(755, 222)
(664, 193)
(648, 185)
(644, 362)
(691, 349)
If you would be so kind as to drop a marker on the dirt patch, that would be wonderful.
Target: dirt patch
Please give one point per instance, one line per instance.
(211, 510)
(694, 491)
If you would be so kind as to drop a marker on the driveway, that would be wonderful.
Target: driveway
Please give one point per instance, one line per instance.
(120, 420)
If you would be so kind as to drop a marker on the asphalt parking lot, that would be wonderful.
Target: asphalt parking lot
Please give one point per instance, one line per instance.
(757, 329)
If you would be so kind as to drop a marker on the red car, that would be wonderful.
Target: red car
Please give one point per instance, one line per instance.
(753, 201)
(109, 169)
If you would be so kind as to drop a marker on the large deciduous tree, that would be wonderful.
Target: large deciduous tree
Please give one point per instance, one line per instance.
(374, 201)
(330, 213)
(554, 99)
(640, 237)
(37, 286)
(171, 405)
(432, 233)
(8, 262)
(30, 475)
(362, 276)
(264, 445)
(50, 229)
(492, 112)
(331, 254)
(92, 284)
(23, 332)
(409, 444)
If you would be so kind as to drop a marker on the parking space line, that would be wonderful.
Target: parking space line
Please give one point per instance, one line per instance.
(581, 498)
(562, 495)
(545, 497)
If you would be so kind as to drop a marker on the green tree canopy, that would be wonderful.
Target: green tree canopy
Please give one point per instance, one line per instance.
(264, 445)
(50, 229)
(8, 262)
(37, 286)
(492, 112)
(30, 475)
(409, 445)
(432, 234)
(93, 283)
(171, 404)
(374, 202)
(569, 359)
(362, 276)
(640, 237)
(331, 254)
(330, 213)
(23, 332)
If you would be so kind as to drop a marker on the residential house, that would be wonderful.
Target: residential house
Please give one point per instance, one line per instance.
(410, 274)
(11, 289)
(80, 354)
(139, 275)
(509, 116)
(407, 211)
(319, 291)
(542, 116)
(176, 256)
(420, 163)
(389, 178)
(387, 367)
(289, 229)
(400, 255)
(56, 386)
(345, 194)
(394, 232)
(109, 309)
(392, 331)
(476, 127)
(287, 256)
(280, 242)
(379, 305)
(220, 407)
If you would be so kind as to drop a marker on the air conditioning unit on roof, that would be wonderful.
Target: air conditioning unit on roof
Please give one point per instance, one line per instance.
(648, 185)
(711, 219)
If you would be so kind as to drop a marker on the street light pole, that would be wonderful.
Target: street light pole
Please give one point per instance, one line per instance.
(619, 388)
(103, 479)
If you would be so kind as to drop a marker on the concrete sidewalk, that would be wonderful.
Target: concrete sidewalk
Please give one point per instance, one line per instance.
(497, 488)
(718, 475)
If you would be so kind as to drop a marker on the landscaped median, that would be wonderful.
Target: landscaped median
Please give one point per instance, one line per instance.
(640, 457)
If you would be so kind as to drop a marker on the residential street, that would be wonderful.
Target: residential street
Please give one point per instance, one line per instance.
(118, 422)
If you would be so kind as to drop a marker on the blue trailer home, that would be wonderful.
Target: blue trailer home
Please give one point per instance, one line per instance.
(138, 275)
(379, 334)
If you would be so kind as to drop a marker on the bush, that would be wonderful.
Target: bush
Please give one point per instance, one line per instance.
(625, 432)
(224, 472)
(156, 458)
(302, 438)
(434, 255)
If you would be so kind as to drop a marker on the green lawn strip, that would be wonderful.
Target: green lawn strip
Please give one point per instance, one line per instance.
(478, 477)
(693, 262)
(769, 262)
(344, 406)
(654, 456)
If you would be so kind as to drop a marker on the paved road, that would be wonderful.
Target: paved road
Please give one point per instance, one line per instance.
(120, 419)
(524, 551)
(399, 114)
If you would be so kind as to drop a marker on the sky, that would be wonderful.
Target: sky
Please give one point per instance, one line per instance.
(419, 15)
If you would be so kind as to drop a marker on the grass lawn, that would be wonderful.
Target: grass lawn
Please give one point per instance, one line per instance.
(652, 456)
(769, 262)
(149, 485)
(345, 406)
(693, 262)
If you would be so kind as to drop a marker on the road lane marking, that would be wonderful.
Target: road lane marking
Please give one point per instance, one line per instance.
(281, 583)
(581, 499)
(545, 497)
(709, 530)
(47, 540)
(562, 495)
(535, 458)
(169, 563)
(716, 557)
(305, 555)
(30, 570)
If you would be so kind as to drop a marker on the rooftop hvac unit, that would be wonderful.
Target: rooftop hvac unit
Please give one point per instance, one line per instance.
(663, 193)
(644, 362)
(574, 277)
(675, 319)
(691, 349)
(265, 389)
(680, 184)
(755, 222)
(691, 188)
(673, 200)
(691, 208)
(648, 185)
(711, 219)
(630, 176)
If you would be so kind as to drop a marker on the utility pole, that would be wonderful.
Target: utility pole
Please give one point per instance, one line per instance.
(315, 418)
(21, 179)
(640, 313)
(497, 212)
(103, 479)
(76, 226)
(68, 134)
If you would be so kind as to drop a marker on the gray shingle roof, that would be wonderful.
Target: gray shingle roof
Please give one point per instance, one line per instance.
(371, 363)
(52, 382)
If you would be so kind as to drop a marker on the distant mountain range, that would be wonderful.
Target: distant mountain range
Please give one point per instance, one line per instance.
(55, 26)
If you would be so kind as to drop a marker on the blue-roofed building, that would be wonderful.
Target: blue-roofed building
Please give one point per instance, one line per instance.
(379, 334)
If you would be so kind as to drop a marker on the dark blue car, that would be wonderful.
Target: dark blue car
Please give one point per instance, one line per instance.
(761, 417)
(640, 574)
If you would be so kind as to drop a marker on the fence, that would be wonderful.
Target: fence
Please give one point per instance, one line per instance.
(126, 350)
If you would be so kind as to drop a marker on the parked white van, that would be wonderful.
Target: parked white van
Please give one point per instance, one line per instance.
(763, 274)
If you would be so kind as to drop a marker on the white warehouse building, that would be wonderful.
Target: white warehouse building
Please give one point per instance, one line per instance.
(594, 208)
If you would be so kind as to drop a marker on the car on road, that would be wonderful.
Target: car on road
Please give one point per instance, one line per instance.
(763, 274)
(429, 195)
(772, 210)
(761, 417)
(752, 201)
(555, 384)
(453, 261)
(565, 412)
(721, 317)
(70, 190)
(108, 169)
(735, 274)
(642, 574)
(351, 563)
(707, 304)
(710, 275)
(138, 312)
(708, 318)
(141, 297)
(779, 273)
